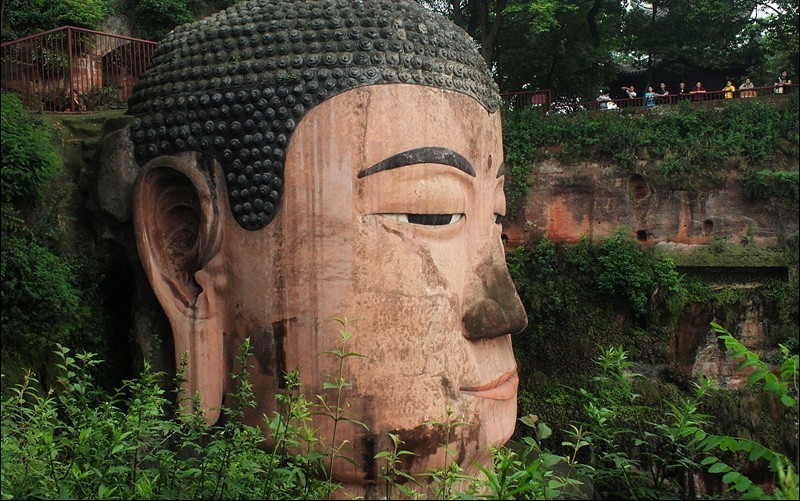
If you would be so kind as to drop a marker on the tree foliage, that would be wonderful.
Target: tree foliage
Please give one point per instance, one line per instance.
(575, 47)
(572, 47)
(46, 296)
(25, 17)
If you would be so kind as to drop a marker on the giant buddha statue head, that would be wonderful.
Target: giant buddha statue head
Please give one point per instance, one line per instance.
(302, 161)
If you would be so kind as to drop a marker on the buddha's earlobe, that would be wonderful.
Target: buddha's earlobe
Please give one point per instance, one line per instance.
(177, 226)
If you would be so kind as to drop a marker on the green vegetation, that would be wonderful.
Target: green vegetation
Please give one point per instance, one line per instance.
(612, 293)
(25, 17)
(47, 294)
(77, 441)
(30, 162)
(150, 19)
(155, 18)
(585, 293)
(686, 147)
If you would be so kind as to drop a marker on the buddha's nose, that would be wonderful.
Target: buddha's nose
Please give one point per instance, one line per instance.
(495, 308)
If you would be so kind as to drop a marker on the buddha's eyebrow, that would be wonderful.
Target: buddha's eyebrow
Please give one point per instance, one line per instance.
(424, 155)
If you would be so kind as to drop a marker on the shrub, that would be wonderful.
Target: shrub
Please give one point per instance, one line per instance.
(29, 160)
(46, 296)
(76, 441)
(691, 146)
(26, 17)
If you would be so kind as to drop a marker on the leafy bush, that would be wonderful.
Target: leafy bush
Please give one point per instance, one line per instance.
(766, 184)
(25, 17)
(691, 146)
(29, 161)
(669, 447)
(46, 296)
(77, 442)
(155, 18)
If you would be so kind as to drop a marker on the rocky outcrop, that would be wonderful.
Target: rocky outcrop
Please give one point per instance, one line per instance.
(566, 202)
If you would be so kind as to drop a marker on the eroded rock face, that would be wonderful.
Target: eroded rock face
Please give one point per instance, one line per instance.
(566, 202)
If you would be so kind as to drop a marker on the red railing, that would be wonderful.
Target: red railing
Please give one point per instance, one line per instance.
(538, 99)
(697, 97)
(69, 70)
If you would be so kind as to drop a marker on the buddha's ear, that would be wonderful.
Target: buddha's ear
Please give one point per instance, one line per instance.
(177, 223)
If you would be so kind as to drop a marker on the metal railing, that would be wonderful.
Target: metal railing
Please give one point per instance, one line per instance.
(538, 99)
(72, 70)
(693, 97)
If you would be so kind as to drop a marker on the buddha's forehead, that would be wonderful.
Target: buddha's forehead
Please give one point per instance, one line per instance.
(236, 84)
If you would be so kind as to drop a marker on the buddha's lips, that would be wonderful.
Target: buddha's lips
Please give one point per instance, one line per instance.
(502, 388)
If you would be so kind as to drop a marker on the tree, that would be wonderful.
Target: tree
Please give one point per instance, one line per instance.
(778, 26)
(25, 17)
(714, 39)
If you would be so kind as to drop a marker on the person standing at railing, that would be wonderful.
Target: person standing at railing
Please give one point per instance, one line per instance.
(605, 101)
(743, 89)
(783, 83)
(683, 91)
(728, 90)
(631, 92)
(698, 92)
(663, 94)
(650, 97)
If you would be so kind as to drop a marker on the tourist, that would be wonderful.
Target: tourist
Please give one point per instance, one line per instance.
(663, 93)
(783, 83)
(683, 92)
(697, 92)
(728, 90)
(744, 89)
(630, 91)
(650, 97)
(605, 101)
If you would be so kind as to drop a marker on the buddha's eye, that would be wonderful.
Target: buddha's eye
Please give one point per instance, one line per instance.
(425, 219)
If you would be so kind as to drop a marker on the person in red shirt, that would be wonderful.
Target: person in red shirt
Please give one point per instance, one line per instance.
(697, 92)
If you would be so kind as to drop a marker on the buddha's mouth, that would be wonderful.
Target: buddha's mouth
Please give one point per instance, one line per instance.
(502, 388)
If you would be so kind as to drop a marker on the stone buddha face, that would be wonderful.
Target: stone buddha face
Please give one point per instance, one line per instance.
(389, 208)
(390, 217)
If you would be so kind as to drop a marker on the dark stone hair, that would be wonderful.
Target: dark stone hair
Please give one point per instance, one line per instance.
(236, 84)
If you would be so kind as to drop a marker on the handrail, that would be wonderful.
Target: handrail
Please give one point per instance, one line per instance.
(73, 70)
(65, 27)
(672, 99)
(527, 99)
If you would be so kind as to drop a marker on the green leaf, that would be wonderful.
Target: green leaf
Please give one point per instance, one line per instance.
(756, 376)
(543, 431)
(718, 468)
(549, 460)
(757, 453)
(788, 401)
(529, 420)
(742, 484)
(730, 444)
(731, 476)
